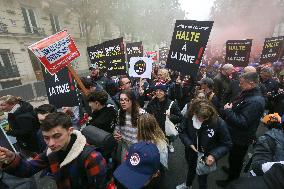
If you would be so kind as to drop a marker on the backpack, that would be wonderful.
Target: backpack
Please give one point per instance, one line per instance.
(81, 178)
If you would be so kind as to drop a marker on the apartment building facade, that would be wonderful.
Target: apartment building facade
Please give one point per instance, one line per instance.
(24, 22)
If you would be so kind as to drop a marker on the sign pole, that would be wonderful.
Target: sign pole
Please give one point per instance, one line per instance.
(77, 79)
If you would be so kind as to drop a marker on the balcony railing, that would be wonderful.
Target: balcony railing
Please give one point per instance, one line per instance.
(35, 30)
(3, 28)
(9, 72)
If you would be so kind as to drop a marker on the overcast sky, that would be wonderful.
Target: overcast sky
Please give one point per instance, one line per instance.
(197, 9)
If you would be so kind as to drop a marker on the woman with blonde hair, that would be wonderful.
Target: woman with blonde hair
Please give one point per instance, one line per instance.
(149, 130)
(173, 84)
(23, 123)
(163, 75)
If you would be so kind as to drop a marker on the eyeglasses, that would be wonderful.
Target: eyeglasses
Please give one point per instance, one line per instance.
(124, 100)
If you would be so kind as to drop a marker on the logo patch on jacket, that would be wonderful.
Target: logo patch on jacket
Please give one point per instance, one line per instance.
(210, 133)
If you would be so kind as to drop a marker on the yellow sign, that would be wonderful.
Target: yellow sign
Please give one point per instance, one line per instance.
(5, 125)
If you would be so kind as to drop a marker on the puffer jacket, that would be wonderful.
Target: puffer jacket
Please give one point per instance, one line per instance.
(212, 138)
(24, 126)
(269, 148)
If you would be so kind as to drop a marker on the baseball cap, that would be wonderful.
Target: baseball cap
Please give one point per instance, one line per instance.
(142, 162)
(207, 81)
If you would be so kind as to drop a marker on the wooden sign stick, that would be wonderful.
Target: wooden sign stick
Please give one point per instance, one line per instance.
(77, 79)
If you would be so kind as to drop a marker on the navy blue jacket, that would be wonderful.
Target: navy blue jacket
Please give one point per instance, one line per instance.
(213, 137)
(243, 118)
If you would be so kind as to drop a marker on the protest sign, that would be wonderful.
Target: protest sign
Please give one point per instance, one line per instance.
(238, 52)
(61, 89)
(5, 141)
(109, 56)
(163, 54)
(187, 46)
(97, 56)
(152, 54)
(140, 67)
(55, 51)
(134, 49)
(271, 49)
(6, 127)
(281, 57)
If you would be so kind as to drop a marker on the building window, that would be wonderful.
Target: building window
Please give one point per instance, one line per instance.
(8, 67)
(54, 23)
(30, 20)
(83, 28)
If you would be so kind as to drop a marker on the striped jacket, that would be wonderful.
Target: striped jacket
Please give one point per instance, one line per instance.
(69, 174)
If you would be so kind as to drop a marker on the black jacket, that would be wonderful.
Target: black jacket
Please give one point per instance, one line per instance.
(271, 85)
(279, 100)
(269, 148)
(213, 137)
(222, 88)
(243, 118)
(104, 118)
(158, 109)
(24, 126)
(272, 179)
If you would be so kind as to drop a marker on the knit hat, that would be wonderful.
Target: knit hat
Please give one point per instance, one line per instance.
(272, 121)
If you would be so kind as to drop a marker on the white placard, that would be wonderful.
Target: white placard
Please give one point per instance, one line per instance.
(140, 67)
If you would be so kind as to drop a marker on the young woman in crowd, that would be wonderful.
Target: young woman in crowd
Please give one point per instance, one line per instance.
(158, 107)
(205, 135)
(149, 131)
(126, 130)
(23, 123)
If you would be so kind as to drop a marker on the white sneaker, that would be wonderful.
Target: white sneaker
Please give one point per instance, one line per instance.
(171, 148)
(183, 186)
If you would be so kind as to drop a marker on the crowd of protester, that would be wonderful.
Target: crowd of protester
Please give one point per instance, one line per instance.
(217, 113)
